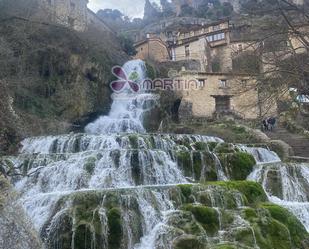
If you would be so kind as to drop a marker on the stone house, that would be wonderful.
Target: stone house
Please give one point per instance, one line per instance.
(225, 89)
(212, 44)
(152, 48)
(71, 13)
(223, 94)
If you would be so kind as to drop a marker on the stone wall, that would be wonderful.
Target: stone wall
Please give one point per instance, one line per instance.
(197, 51)
(241, 89)
(71, 13)
(152, 49)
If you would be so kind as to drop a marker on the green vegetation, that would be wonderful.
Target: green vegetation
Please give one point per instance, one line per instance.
(133, 141)
(200, 146)
(212, 146)
(90, 165)
(224, 148)
(136, 169)
(186, 242)
(197, 164)
(115, 228)
(186, 191)
(252, 191)
(150, 71)
(297, 230)
(239, 164)
(206, 216)
(228, 130)
(184, 161)
(83, 237)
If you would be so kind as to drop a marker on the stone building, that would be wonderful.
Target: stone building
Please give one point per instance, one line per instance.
(225, 88)
(213, 45)
(152, 48)
(71, 13)
(223, 94)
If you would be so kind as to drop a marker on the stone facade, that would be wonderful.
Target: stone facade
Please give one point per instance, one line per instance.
(153, 49)
(71, 13)
(211, 45)
(222, 93)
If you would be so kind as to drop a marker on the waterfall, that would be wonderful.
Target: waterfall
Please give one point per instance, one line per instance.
(116, 171)
(127, 108)
(261, 155)
(287, 185)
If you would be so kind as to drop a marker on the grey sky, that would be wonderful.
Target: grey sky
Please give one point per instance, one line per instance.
(131, 8)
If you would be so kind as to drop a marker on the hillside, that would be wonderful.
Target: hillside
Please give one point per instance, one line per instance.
(53, 78)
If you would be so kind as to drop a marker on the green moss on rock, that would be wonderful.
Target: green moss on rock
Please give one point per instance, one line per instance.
(197, 164)
(186, 191)
(225, 247)
(206, 216)
(114, 228)
(245, 236)
(297, 231)
(212, 146)
(187, 241)
(133, 141)
(224, 148)
(184, 161)
(200, 146)
(252, 191)
(89, 166)
(239, 164)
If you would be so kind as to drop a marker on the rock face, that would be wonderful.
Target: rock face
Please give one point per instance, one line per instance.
(53, 78)
(16, 232)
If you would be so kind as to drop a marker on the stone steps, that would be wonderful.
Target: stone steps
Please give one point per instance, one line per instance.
(299, 143)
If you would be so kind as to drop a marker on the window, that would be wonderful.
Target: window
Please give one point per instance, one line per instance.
(240, 47)
(210, 38)
(71, 22)
(223, 83)
(201, 82)
(223, 104)
(187, 50)
(72, 5)
(141, 49)
(49, 2)
(216, 37)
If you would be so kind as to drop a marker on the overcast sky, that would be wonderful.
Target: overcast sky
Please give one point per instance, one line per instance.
(131, 8)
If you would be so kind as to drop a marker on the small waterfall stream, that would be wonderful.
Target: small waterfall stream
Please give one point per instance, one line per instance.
(286, 184)
(117, 171)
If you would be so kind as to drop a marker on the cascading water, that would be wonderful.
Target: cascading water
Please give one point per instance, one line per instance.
(81, 185)
(286, 184)
(127, 108)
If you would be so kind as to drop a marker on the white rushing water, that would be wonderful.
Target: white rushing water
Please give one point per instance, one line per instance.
(287, 185)
(126, 114)
(106, 157)
(141, 168)
(261, 155)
